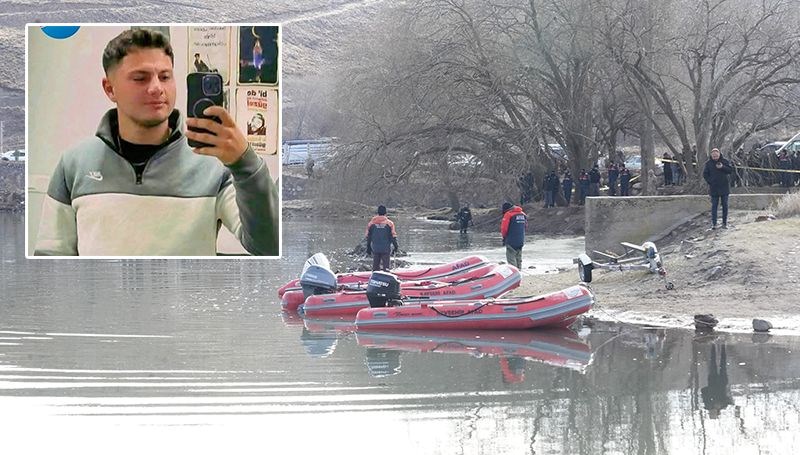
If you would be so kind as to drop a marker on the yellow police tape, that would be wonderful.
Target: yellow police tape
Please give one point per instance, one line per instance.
(748, 167)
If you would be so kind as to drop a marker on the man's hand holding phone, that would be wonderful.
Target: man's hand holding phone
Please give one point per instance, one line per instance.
(225, 140)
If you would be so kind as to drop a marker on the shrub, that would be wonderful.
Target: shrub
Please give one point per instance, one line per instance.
(788, 206)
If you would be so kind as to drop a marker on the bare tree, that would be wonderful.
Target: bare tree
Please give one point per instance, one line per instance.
(710, 64)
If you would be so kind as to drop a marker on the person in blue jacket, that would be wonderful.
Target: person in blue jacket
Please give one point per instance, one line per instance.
(566, 185)
(624, 180)
(512, 229)
(381, 239)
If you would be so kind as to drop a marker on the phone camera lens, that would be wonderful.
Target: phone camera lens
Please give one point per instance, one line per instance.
(211, 85)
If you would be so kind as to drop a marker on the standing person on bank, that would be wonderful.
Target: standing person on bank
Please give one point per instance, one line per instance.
(566, 184)
(624, 180)
(715, 173)
(583, 184)
(666, 162)
(613, 175)
(512, 229)
(594, 181)
(381, 239)
(464, 218)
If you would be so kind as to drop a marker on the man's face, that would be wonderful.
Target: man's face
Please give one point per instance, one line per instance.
(715, 155)
(142, 86)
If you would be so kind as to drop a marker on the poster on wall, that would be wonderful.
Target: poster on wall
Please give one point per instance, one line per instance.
(258, 55)
(257, 112)
(208, 50)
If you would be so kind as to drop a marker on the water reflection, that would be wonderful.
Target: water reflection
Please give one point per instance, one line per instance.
(382, 362)
(318, 344)
(716, 395)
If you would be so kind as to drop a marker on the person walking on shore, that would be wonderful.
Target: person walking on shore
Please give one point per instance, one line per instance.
(716, 172)
(512, 229)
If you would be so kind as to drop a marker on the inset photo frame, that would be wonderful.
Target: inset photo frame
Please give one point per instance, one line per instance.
(126, 158)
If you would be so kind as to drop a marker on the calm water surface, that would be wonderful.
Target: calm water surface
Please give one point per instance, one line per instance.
(182, 356)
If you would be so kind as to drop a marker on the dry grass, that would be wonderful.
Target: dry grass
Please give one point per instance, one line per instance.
(788, 206)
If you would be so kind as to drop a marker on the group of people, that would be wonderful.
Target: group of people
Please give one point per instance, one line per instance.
(618, 179)
(382, 236)
(617, 173)
(673, 172)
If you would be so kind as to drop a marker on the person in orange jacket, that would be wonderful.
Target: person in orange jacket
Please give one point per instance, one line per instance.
(381, 239)
(512, 229)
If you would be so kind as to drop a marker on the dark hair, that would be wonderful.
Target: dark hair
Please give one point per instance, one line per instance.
(381, 210)
(119, 47)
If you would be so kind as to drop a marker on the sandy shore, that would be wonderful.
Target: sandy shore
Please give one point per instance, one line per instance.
(749, 271)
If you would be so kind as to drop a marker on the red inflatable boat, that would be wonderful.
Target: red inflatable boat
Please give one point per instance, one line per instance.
(557, 347)
(293, 298)
(437, 272)
(500, 280)
(557, 309)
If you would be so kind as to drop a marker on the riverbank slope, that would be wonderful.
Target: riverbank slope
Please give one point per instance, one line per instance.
(749, 271)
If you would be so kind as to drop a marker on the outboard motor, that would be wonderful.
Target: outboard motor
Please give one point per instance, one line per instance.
(383, 288)
(317, 277)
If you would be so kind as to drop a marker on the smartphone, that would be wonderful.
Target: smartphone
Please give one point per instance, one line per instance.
(204, 90)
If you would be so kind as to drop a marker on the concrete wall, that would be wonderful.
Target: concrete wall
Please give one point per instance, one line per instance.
(610, 220)
(12, 184)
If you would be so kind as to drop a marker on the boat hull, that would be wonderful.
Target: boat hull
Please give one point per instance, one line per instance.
(293, 298)
(437, 272)
(557, 309)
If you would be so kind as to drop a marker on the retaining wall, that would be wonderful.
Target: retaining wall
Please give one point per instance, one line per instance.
(610, 220)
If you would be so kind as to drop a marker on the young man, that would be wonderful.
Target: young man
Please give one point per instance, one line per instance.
(138, 189)
(715, 173)
(512, 229)
(381, 239)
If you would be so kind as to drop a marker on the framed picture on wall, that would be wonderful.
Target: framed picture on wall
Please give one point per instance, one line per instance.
(258, 55)
(208, 50)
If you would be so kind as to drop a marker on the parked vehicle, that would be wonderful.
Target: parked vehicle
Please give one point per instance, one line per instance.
(791, 146)
(634, 163)
(295, 152)
(14, 155)
(772, 148)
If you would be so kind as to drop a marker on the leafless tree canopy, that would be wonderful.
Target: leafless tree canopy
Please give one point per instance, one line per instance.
(449, 94)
